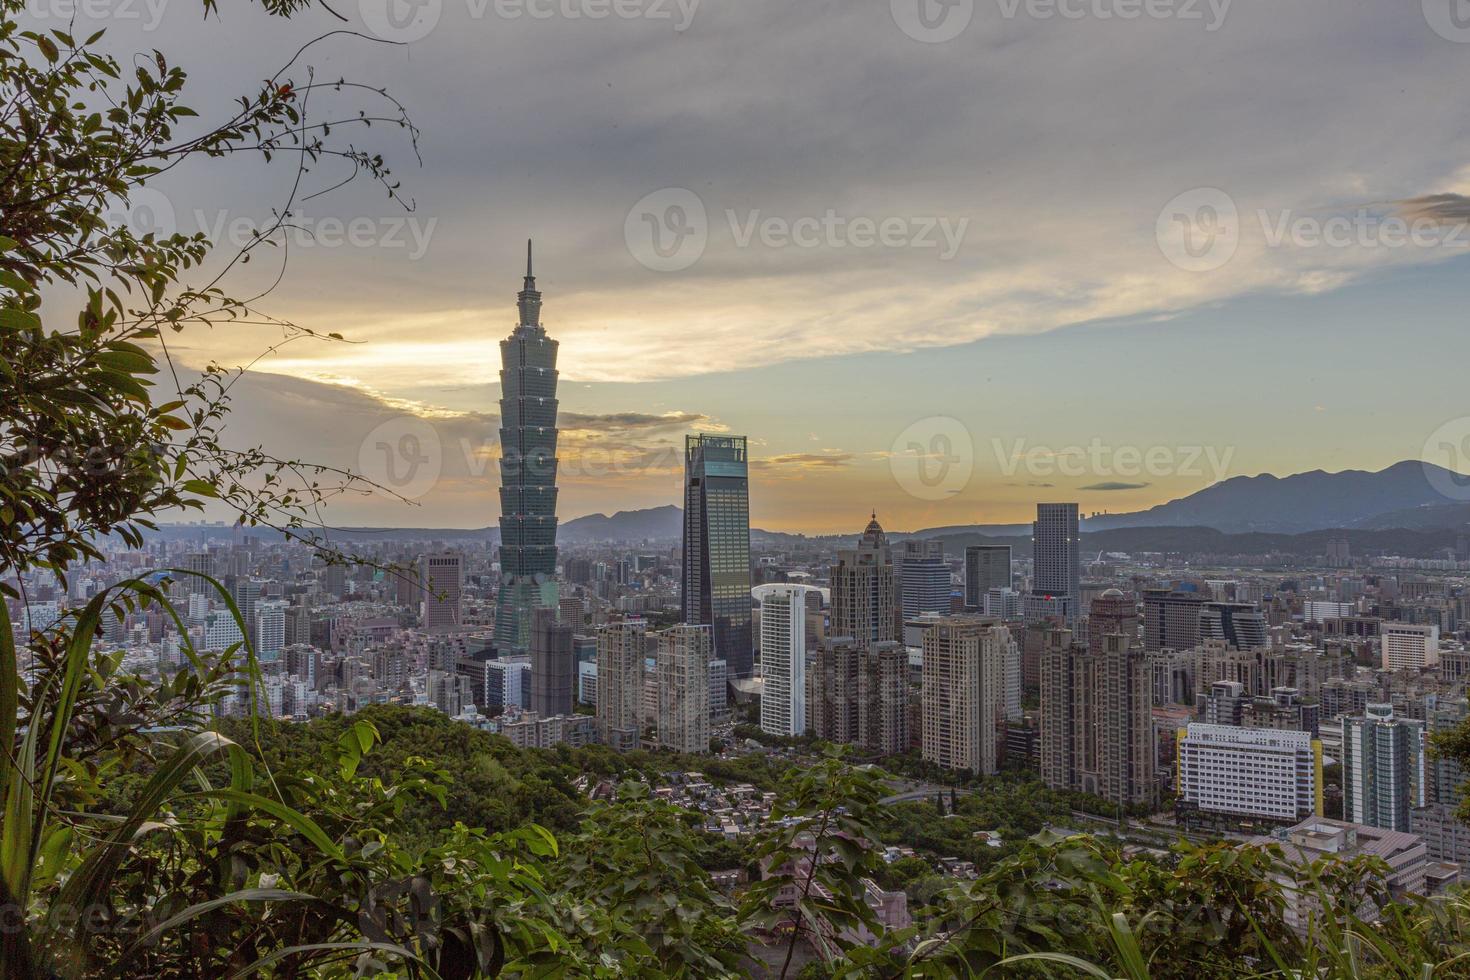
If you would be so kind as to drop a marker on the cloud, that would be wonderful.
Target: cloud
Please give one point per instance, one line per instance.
(1113, 485)
(826, 460)
(1440, 208)
(635, 421)
(1055, 237)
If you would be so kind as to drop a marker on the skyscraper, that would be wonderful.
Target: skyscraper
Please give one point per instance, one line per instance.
(1171, 619)
(527, 471)
(864, 590)
(1055, 553)
(683, 688)
(924, 578)
(987, 566)
(716, 580)
(443, 578)
(553, 665)
(1097, 718)
(1384, 775)
(270, 628)
(783, 661)
(963, 694)
(621, 651)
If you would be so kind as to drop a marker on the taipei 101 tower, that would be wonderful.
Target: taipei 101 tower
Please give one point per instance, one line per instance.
(527, 472)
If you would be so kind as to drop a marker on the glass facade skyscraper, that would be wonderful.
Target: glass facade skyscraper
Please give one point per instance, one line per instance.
(1057, 564)
(716, 580)
(527, 471)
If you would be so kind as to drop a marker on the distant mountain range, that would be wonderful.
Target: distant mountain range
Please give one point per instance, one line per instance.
(1305, 502)
(1243, 515)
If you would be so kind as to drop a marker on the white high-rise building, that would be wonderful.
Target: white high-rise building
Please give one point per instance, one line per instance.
(1409, 646)
(1384, 770)
(783, 661)
(221, 631)
(270, 628)
(620, 683)
(1250, 772)
(683, 663)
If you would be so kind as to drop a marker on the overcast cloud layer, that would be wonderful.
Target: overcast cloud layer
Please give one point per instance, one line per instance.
(863, 187)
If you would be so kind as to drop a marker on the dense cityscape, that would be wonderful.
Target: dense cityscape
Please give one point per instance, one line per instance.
(961, 489)
(1165, 693)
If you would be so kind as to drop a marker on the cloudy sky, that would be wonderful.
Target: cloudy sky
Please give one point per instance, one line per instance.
(942, 259)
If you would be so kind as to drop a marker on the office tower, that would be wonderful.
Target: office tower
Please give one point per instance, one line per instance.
(246, 592)
(783, 661)
(508, 683)
(716, 579)
(924, 579)
(1057, 564)
(1002, 604)
(334, 579)
(963, 678)
(443, 578)
(883, 698)
(1384, 775)
(1225, 704)
(864, 589)
(200, 563)
(553, 665)
(1250, 773)
(987, 566)
(270, 628)
(408, 587)
(527, 471)
(1409, 646)
(1171, 619)
(1114, 611)
(683, 663)
(1239, 624)
(1096, 718)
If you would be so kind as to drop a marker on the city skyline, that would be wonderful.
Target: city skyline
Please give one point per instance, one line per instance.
(826, 355)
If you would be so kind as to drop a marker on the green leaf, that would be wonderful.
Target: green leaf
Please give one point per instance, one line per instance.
(194, 911)
(13, 319)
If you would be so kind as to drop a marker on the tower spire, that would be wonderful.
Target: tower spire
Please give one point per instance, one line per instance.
(529, 299)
